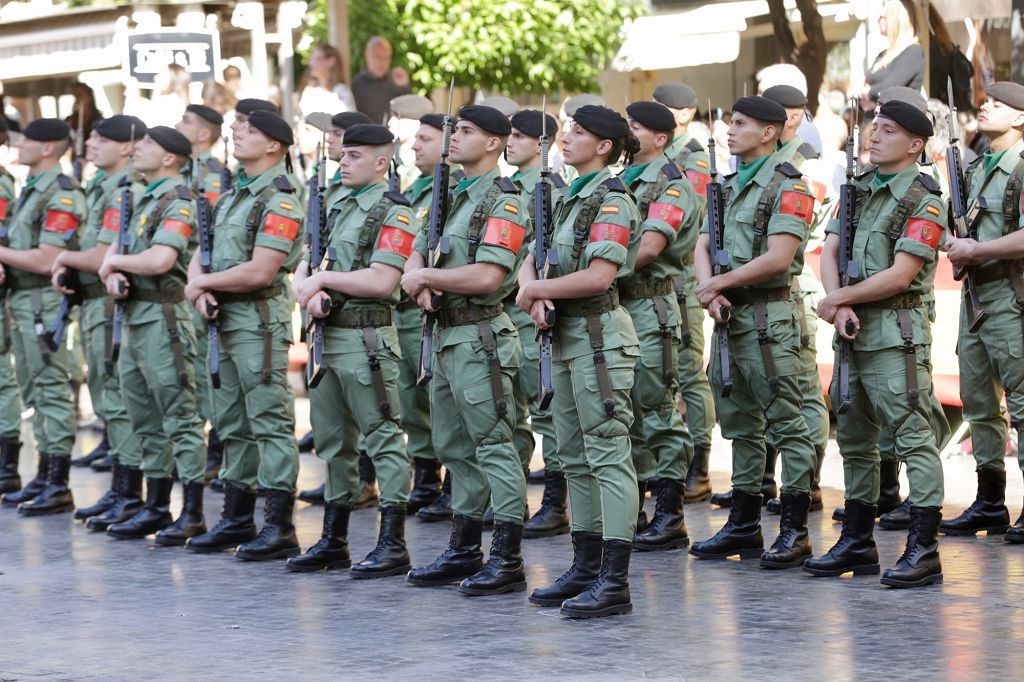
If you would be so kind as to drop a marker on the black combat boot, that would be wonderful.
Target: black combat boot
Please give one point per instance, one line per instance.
(56, 497)
(97, 453)
(331, 551)
(988, 512)
(426, 484)
(368, 495)
(667, 530)
(609, 594)
(552, 517)
(306, 443)
(1015, 533)
(128, 503)
(390, 556)
(775, 506)
(586, 564)
(10, 453)
(33, 488)
(698, 482)
(888, 492)
(535, 478)
(740, 535)
(503, 571)
(641, 515)
(214, 456)
(313, 495)
(919, 565)
(792, 546)
(441, 508)
(461, 559)
(191, 522)
(897, 519)
(769, 489)
(855, 549)
(108, 499)
(276, 540)
(235, 526)
(154, 516)
(103, 464)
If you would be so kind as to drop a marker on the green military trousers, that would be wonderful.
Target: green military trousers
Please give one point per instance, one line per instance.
(105, 388)
(254, 417)
(43, 374)
(991, 365)
(594, 448)
(814, 409)
(162, 410)
(661, 444)
(694, 389)
(753, 412)
(470, 437)
(526, 391)
(10, 402)
(415, 400)
(345, 402)
(878, 394)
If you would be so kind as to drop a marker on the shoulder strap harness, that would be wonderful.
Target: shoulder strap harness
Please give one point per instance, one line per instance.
(502, 185)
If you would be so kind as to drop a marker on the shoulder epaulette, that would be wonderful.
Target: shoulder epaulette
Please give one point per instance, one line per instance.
(506, 185)
(694, 146)
(863, 175)
(67, 182)
(788, 169)
(184, 192)
(930, 183)
(615, 184)
(283, 184)
(457, 175)
(559, 182)
(397, 198)
(213, 164)
(671, 171)
(974, 164)
(807, 151)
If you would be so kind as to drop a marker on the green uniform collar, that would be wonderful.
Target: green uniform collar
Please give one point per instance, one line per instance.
(368, 195)
(257, 182)
(420, 185)
(581, 183)
(477, 190)
(464, 184)
(151, 187)
(898, 184)
(751, 171)
(43, 180)
(631, 173)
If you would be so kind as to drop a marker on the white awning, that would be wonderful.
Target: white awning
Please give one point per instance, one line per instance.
(706, 35)
(56, 51)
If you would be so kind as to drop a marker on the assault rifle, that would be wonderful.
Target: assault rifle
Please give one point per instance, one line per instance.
(544, 257)
(849, 269)
(719, 262)
(120, 246)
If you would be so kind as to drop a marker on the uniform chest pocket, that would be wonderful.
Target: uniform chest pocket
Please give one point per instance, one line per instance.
(739, 236)
(877, 254)
(346, 249)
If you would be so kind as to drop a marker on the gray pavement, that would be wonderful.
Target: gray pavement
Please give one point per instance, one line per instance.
(81, 606)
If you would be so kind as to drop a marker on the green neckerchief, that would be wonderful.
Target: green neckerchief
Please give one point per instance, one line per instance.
(419, 183)
(746, 171)
(633, 172)
(579, 183)
(357, 192)
(31, 180)
(336, 178)
(882, 178)
(244, 180)
(991, 159)
(464, 184)
(153, 185)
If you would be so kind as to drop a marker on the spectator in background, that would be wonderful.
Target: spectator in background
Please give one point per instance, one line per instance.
(791, 75)
(218, 97)
(902, 62)
(378, 83)
(84, 108)
(322, 88)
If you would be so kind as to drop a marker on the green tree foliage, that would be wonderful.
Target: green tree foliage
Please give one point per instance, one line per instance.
(510, 46)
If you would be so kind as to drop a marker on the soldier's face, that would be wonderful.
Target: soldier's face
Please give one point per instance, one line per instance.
(470, 143)
(890, 143)
(241, 122)
(522, 148)
(101, 151)
(30, 152)
(427, 147)
(148, 155)
(747, 134)
(361, 165)
(334, 139)
(579, 146)
(998, 118)
(251, 144)
(189, 126)
(650, 141)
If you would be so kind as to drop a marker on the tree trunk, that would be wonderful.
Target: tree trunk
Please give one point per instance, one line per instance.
(810, 56)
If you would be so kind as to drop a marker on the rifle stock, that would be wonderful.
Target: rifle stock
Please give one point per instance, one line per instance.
(204, 216)
(316, 219)
(127, 208)
(545, 258)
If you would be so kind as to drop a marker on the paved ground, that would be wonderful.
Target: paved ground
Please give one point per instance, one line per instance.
(81, 606)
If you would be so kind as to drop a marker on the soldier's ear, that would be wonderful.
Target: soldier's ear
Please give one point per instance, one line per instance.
(917, 145)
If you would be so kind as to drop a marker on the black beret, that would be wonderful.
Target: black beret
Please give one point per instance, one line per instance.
(488, 118)
(903, 94)
(171, 140)
(601, 121)
(909, 117)
(761, 108)
(653, 116)
(676, 95)
(47, 130)
(272, 125)
(206, 113)
(528, 122)
(119, 128)
(787, 96)
(347, 119)
(247, 106)
(1010, 94)
(433, 120)
(367, 134)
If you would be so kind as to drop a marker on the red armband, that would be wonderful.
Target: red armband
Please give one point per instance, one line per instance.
(212, 197)
(280, 226)
(504, 233)
(670, 213)
(3, 209)
(924, 231)
(177, 226)
(60, 221)
(602, 232)
(797, 204)
(395, 240)
(111, 219)
(699, 181)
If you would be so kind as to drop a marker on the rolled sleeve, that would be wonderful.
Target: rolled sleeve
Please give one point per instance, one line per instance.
(177, 226)
(396, 238)
(611, 232)
(794, 210)
(924, 233)
(669, 212)
(282, 224)
(63, 217)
